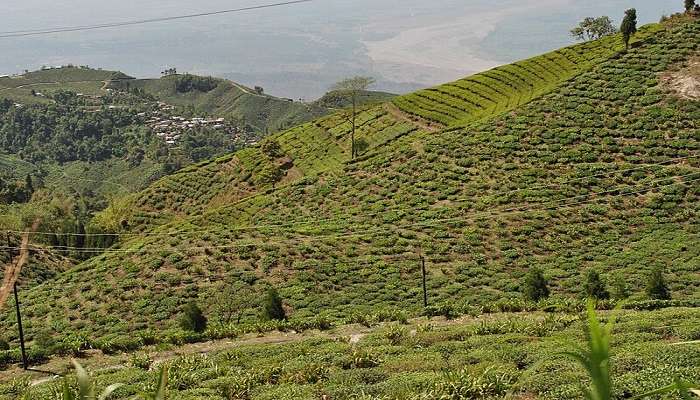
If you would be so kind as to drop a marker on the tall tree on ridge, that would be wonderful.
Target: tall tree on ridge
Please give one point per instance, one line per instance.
(351, 89)
(629, 26)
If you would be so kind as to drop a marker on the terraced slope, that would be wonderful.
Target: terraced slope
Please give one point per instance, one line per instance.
(600, 174)
(506, 87)
(324, 144)
(306, 151)
(419, 359)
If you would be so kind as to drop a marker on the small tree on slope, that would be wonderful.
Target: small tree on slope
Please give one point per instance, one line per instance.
(629, 26)
(594, 287)
(656, 285)
(535, 285)
(689, 5)
(272, 306)
(193, 318)
(351, 89)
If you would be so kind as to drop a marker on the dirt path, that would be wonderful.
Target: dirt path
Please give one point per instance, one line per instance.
(96, 361)
(104, 84)
(402, 116)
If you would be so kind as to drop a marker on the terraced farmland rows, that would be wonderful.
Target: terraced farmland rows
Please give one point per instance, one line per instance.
(599, 174)
(506, 87)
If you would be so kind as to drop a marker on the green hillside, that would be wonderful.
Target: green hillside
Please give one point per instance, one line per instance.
(600, 173)
(230, 100)
(506, 87)
(325, 143)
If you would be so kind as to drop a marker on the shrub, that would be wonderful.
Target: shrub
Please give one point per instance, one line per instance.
(141, 360)
(193, 318)
(594, 287)
(657, 288)
(272, 306)
(396, 334)
(535, 287)
(4, 345)
(470, 384)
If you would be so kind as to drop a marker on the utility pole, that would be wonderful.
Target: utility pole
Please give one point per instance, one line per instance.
(425, 288)
(21, 332)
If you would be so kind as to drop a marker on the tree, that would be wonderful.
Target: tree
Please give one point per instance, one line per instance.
(232, 301)
(689, 5)
(629, 26)
(361, 146)
(270, 174)
(656, 285)
(593, 28)
(272, 306)
(193, 318)
(620, 288)
(351, 89)
(271, 148)
(535, 287)
(594, 287)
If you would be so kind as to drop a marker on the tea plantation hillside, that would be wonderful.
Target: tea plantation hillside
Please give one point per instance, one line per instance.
(324, 144)
(196, 94)
(601, 173)
(505, 87)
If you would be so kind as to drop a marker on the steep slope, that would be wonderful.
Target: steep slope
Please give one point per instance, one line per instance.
(601, 173)
(324, 144)
(505, 87)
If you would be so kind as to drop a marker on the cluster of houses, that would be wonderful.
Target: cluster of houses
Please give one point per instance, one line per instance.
(171, 127)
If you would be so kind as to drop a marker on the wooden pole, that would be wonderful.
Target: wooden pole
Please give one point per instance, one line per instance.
(21, 331)
(425, 287)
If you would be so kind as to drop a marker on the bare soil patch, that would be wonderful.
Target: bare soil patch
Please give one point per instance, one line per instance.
(685, 83)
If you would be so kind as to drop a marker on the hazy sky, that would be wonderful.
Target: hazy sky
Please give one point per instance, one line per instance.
(300, 50)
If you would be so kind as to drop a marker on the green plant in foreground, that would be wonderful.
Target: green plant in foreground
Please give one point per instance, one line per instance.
(596, 361)
(596, 358)
(86, 388)
(161, 387)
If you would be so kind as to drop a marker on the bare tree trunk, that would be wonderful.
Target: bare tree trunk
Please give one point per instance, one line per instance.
(354, 105)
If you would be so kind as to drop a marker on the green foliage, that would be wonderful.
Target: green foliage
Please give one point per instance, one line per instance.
(629, 26)
(594, 287)
(86, 388)
(467, 384)
(193, 318)
(595, 359)
(594, 28)
(689, 5)
(535, 285)
(271, 148)
(272, 308)
(656, 287)
(187, 83)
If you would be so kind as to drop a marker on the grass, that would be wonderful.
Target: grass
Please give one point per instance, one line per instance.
(495, 356)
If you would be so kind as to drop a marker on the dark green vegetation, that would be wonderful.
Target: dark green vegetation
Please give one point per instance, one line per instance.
(484, 357)
(586, 173)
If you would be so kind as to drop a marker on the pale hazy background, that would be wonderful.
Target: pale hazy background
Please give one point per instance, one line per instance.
(298, 51)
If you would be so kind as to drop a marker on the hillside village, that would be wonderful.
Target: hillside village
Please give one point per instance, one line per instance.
(164, 122)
